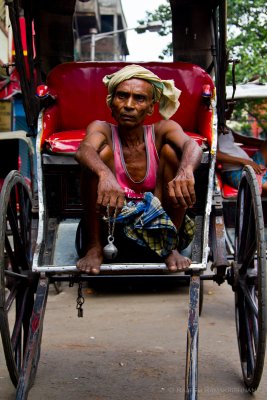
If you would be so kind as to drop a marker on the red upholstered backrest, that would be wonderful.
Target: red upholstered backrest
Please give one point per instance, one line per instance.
(81, 95)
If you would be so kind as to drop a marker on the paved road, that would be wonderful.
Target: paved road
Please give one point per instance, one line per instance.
(131, 345)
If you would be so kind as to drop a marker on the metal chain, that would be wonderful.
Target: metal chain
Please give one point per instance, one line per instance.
(71, 282)
(80, 300)
(111, 227)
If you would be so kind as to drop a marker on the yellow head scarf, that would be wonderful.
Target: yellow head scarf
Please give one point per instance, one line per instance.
(164, 90)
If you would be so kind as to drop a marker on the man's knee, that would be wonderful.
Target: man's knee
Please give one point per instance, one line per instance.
(106, 155)
(168, 156)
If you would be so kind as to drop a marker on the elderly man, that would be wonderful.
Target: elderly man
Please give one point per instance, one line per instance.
(130, 169)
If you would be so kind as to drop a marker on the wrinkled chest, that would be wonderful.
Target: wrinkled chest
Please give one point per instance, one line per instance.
(135, 161)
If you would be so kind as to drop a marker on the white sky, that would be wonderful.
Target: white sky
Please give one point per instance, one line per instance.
(146, 46)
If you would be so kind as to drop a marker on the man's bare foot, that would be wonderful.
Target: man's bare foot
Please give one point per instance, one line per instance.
(176, 262)
(90, 263)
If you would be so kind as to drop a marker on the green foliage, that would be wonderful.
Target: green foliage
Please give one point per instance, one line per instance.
(247, 38)
(247, 41)
(164, 15)
(250, 115)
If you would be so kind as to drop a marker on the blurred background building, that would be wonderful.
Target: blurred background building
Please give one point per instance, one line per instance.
(4, 44)
(5, 57)
(93, 17)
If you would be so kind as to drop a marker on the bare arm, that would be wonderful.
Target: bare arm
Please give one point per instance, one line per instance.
(226, 158)
(246, 140)
(88, 152)
(96, 141)
(181, 189)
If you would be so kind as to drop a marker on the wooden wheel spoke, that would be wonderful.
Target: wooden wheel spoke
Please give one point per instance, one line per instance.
(13, 221)
(24, 214)
(11, 256)
(245, 337)
(251, 304)
(11, 297)
(247, 257)
(25, 222)
(247, 234)
(254, 314)
(13, 199)
(20, 310)
(255, 332)
(18, 352)
(241, 327)
(250, 345)
(245, 205)
(19, 245)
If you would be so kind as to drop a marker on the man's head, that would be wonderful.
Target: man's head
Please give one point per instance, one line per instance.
(132, 101)
(163, 91)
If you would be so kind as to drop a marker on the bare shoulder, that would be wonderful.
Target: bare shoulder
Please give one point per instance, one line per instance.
(166, 126)
(98, 127)
(98, 134)
(170, 132)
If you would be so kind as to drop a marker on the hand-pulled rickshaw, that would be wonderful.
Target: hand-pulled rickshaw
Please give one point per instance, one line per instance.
(37, 240)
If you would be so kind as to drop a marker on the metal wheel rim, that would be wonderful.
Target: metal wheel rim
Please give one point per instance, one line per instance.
(250, 278)
(14, 293)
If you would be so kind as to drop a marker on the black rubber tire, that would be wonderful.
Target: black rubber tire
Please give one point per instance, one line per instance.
(250, 280)
(17, 283)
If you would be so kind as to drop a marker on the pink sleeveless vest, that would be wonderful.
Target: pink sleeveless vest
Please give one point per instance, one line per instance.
(133, 189)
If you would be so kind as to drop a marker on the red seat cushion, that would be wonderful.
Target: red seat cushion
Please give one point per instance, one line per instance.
(228, 192)
(69, 141)
(198, 138)
(65, 142)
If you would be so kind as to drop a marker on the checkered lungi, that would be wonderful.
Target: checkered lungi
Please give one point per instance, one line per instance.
(147, 223)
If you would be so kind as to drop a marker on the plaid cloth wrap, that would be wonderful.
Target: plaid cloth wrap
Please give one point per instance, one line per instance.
(147, 223)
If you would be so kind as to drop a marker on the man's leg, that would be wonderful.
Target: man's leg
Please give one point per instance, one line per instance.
(168, 167)
(93, 258)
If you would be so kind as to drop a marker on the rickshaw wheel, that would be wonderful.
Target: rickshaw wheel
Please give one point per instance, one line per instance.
(17, 283)
(250, 280)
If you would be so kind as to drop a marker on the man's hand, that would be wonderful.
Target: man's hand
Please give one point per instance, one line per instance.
(109, 192)
(181, 188)
(259, 169)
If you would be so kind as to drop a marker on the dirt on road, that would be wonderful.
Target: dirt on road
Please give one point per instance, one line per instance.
(131, 344)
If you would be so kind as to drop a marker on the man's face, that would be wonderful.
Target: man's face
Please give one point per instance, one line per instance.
(132, 102)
